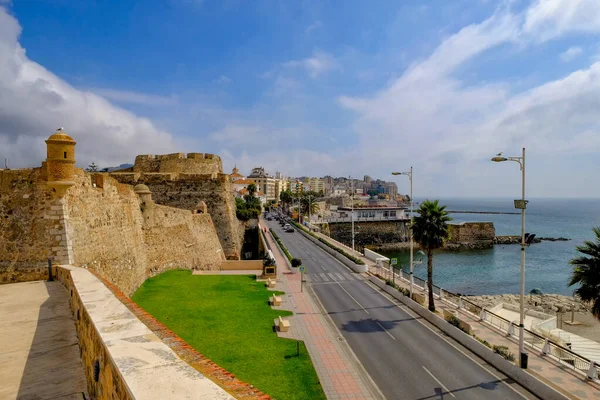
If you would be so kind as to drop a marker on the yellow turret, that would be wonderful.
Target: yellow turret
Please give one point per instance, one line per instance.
(60, 162)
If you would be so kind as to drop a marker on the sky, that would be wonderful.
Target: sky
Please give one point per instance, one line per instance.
(315, 87)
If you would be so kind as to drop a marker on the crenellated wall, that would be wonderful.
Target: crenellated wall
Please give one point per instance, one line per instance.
(471, 235)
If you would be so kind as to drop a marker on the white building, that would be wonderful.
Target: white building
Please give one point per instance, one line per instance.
(368, 213)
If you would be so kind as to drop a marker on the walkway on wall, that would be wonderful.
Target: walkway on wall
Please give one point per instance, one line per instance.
(39, 352)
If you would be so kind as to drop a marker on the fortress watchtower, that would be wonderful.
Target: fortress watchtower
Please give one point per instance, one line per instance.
(60, 162)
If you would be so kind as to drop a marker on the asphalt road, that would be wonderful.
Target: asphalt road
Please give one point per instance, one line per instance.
(405, 356)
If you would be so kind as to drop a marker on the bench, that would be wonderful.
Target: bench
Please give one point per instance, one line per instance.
(284, 325)
(270, 283)
(275, 300)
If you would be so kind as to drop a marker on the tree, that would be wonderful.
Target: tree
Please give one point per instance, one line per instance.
(92, 167)
(309, 202)
(586, 272)
(251, 189)
(372, 193)
(286, 198)
(430, 230)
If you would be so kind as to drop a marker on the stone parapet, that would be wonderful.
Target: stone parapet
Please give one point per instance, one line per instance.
(122, 358)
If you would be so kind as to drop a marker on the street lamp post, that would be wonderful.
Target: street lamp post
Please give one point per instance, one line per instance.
(410, 178)
(352, 208)
(522, 205)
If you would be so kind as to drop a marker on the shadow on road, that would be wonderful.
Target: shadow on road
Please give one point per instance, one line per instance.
(367, 325)
(441, 393)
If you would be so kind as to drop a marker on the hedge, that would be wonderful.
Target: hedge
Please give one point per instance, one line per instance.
(285, 250)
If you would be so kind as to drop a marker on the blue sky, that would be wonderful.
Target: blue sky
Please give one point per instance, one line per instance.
(314, 87)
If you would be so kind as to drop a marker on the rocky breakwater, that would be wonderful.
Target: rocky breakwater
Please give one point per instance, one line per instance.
(513, 239)
(546, 303)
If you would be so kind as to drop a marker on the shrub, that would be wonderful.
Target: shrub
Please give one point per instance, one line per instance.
(452, 320)
(283, 248)
(296, 262)
(504, 352)
(483, 341)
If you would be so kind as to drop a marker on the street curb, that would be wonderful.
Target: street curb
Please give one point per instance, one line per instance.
(523, 378)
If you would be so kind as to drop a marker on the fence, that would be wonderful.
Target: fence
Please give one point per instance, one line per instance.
(545, 345)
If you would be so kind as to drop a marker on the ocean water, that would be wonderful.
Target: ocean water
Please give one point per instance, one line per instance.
(497, 270)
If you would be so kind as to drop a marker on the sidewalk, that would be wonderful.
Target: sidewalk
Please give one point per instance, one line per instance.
(554, 373)
(340, 373)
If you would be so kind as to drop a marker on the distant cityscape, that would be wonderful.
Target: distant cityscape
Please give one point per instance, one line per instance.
(269, 187)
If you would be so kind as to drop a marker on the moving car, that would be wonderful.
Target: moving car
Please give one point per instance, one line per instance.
(290, 229)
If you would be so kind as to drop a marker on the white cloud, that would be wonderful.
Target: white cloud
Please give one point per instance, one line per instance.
(320, 63)
(125, 96)
(570, 54)
(34, 102)
(223, 80)
(547, 19)
(449, 128)
(313, 26)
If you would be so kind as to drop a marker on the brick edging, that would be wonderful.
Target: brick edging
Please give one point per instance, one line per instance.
(219, 375)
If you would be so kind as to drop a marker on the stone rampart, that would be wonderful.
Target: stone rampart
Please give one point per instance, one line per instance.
(194, 163)
(100, 224)
(186, 190)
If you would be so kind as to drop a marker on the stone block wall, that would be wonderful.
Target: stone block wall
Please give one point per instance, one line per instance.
(107, 235)
(369, 233)
(185, 191)
(30, 226)
(472, 233)
(192, 163)
(177, 238)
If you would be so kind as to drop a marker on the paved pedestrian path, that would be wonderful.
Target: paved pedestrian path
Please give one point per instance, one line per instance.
(39, 351)
(341, 375)
(560, 376)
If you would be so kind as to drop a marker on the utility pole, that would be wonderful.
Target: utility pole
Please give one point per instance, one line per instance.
(352, 208)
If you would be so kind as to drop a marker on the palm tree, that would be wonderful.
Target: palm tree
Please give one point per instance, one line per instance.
(586, 272)
(430, 230)
(286, 198)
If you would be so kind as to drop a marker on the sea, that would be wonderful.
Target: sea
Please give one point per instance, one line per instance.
(497, 270)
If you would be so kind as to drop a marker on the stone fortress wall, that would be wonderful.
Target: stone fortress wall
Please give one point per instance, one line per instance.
(179, 181)
(108, 229)
(192, 163)
(471, 235)
(94, 221)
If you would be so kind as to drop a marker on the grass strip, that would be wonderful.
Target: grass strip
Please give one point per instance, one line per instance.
(282, 246)
(227, 318)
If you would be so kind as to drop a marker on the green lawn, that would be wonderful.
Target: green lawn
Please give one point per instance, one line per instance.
(227, 318)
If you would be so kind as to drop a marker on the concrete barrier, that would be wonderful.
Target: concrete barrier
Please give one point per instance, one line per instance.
(519, 375)
(371, 255)
(340, 257)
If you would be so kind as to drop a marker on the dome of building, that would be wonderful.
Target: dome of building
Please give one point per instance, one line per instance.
(60, 136)
(141, 189)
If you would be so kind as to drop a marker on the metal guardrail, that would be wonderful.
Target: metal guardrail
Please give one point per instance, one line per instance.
(545, 345)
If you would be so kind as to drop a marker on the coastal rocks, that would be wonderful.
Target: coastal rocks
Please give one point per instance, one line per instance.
(514, 239)
(548, 303)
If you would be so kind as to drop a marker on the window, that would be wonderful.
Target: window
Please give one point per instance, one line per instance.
(65, 154)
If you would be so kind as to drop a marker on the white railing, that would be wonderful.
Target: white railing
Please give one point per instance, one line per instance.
(364, 219)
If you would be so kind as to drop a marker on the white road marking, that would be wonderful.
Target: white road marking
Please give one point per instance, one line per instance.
(324, 277)
(324, 269)
(354, 299)
(313, 277)
(332, 276)
(386, 331)
(440, 383)
(412, 314)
